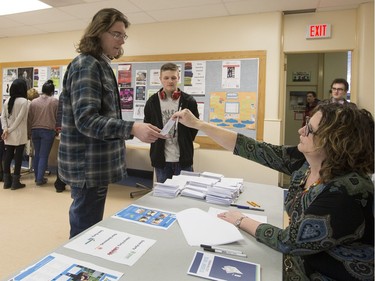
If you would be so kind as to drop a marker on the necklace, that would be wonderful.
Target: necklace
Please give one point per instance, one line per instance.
(304, 179)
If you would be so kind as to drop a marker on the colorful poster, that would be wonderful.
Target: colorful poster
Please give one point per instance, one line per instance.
(233, 110)
(126, 99)
(124, 75)
(55, 76)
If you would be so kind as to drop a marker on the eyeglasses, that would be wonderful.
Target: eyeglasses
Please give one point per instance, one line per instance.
(118, 36)
(307, 129)
(337, 89)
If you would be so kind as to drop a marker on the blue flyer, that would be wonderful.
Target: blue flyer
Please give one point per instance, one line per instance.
(220, 268)
(146, 216)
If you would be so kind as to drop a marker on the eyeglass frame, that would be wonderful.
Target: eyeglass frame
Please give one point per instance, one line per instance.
(337, 89)
(118, 36)
(307, 130)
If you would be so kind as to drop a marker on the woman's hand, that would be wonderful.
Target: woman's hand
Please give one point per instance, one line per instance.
(231, 216)
(5, 134)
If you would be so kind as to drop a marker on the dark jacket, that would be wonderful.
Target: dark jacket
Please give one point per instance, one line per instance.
(186, 135)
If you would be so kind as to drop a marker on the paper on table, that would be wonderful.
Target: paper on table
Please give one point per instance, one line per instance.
(200, 227)
(167, 127)
(260, 218)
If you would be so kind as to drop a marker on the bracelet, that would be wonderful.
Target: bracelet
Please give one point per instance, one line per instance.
(238, 222)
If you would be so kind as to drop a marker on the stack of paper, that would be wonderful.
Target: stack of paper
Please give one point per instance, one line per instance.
(197, 187)
(169, 190)
(224, 192)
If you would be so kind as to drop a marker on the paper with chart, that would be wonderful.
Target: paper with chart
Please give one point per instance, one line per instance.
(109, 244)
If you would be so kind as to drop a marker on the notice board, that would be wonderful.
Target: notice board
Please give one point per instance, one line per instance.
(229, 87)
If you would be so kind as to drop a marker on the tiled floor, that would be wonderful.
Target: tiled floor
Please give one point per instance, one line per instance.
(34, 221)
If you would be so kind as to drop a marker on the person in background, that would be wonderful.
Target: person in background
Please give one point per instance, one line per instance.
(59, 184)
(2, 154)
(92, 143)
(14, 124)
(174, 154)
(41, 125)
(331, 196)
(339, 90)
(311, 102)
(32, 94)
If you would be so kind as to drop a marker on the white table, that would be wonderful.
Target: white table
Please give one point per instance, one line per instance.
(169, 258)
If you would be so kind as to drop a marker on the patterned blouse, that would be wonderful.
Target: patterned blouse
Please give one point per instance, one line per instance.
(331, 231)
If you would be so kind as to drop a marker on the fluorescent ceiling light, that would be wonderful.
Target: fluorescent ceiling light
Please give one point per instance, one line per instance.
(20, 6)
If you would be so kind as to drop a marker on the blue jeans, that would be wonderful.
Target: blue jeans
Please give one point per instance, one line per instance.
(170, 169)
(42, 142)
(87, 207)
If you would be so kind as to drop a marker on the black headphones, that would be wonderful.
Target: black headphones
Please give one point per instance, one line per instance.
(175, 95)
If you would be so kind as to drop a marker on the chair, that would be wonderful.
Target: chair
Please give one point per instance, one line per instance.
(144, 190)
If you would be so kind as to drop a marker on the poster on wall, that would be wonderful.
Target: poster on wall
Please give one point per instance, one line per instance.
(124, 75)
(26, 73)
(126, 99)
(231, 74)
(55, 76)
(40, 77)
(233, 109)
(9, 75)
(195, 77)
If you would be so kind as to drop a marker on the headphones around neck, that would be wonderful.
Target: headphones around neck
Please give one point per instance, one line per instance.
(175, 95)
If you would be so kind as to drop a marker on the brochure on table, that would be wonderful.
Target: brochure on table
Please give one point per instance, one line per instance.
(220, 268)
(111, 245)
(146, 216)
(60, 267)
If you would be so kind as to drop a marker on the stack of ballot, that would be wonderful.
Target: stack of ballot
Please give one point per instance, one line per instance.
(167, 189)
(196, 186)
(224, 192)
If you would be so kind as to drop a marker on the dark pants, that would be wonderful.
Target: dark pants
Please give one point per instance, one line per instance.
(16, 153)
(170, 169)
(87, 208)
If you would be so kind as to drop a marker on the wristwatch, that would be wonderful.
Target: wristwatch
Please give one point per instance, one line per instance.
(238, 222)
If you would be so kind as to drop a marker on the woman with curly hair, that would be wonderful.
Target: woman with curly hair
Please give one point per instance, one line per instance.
(330, 200)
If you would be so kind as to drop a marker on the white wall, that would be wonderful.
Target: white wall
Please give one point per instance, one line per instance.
(236, 33)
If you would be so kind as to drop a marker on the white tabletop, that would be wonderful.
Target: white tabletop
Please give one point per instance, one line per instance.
(170, 257)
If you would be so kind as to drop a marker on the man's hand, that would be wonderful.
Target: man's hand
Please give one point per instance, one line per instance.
(146, 132)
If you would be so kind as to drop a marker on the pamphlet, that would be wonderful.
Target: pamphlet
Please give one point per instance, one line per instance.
(59, 267)
(220, 268)
(112, 245)
(146, 216)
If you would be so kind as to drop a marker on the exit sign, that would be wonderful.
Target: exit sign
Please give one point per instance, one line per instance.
(317, 31)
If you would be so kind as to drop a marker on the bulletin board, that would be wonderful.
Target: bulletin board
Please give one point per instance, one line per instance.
(229, 87)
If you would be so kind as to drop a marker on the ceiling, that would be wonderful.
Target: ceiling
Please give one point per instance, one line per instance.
(70, 15)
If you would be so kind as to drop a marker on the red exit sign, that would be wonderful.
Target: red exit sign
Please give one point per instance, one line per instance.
(317, 31)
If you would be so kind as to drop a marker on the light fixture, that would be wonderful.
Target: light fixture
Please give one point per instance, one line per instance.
(21, 6)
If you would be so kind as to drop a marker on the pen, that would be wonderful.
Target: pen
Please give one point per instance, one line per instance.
(252, 203)
(246, 207)
(225, 252)
(219, 248)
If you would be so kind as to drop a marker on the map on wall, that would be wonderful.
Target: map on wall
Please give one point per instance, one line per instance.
(233, 110)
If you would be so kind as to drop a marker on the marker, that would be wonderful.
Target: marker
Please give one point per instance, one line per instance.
(246, 207)
(225, 252)
(219, 248)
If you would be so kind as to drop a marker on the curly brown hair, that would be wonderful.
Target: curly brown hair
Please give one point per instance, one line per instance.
(101, 22)
(346, 133)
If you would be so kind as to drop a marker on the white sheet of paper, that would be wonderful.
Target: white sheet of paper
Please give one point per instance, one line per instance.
(200, 227)
(111, 245)
(167, 127)
(260, 218)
